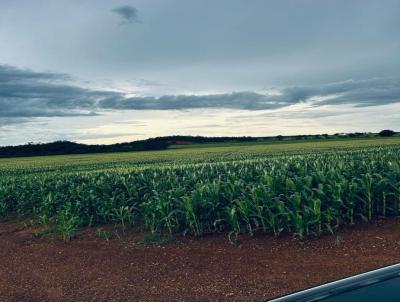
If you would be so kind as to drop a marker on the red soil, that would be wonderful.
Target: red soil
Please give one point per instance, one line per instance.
(208, 269)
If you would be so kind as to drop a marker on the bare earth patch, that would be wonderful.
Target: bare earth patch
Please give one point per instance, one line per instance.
(207, 269)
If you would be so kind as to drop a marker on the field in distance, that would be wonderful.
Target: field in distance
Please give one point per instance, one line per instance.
(184, 154)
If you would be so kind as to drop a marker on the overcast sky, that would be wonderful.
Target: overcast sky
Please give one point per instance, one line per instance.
(109, 71)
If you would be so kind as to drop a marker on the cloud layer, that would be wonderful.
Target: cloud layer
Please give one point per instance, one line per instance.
(25, 93)
(28, 94)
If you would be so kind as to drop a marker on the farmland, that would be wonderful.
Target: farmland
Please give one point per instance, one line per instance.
(299, 188)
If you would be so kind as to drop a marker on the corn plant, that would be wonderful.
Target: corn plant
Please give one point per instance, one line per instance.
(301, 192)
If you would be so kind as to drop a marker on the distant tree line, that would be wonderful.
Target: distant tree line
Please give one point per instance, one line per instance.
(160, 143)
(66, 147)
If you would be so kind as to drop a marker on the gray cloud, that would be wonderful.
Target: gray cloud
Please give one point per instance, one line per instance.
(194, 45)
(235, 100)
(360, 93)
(28, 94)
(25, 93)
(10, 73)
(128, 13)
(363, 93)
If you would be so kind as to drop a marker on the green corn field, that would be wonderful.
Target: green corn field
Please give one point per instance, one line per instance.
(304, 189)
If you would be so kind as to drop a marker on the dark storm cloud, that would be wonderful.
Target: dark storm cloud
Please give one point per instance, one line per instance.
(28, 94)
(128, 13)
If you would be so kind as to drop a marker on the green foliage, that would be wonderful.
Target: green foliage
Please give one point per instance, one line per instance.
(67, 224)
(122, 215)
(251, 189)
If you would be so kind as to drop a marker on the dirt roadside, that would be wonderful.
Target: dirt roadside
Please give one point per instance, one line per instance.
(207, 269)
